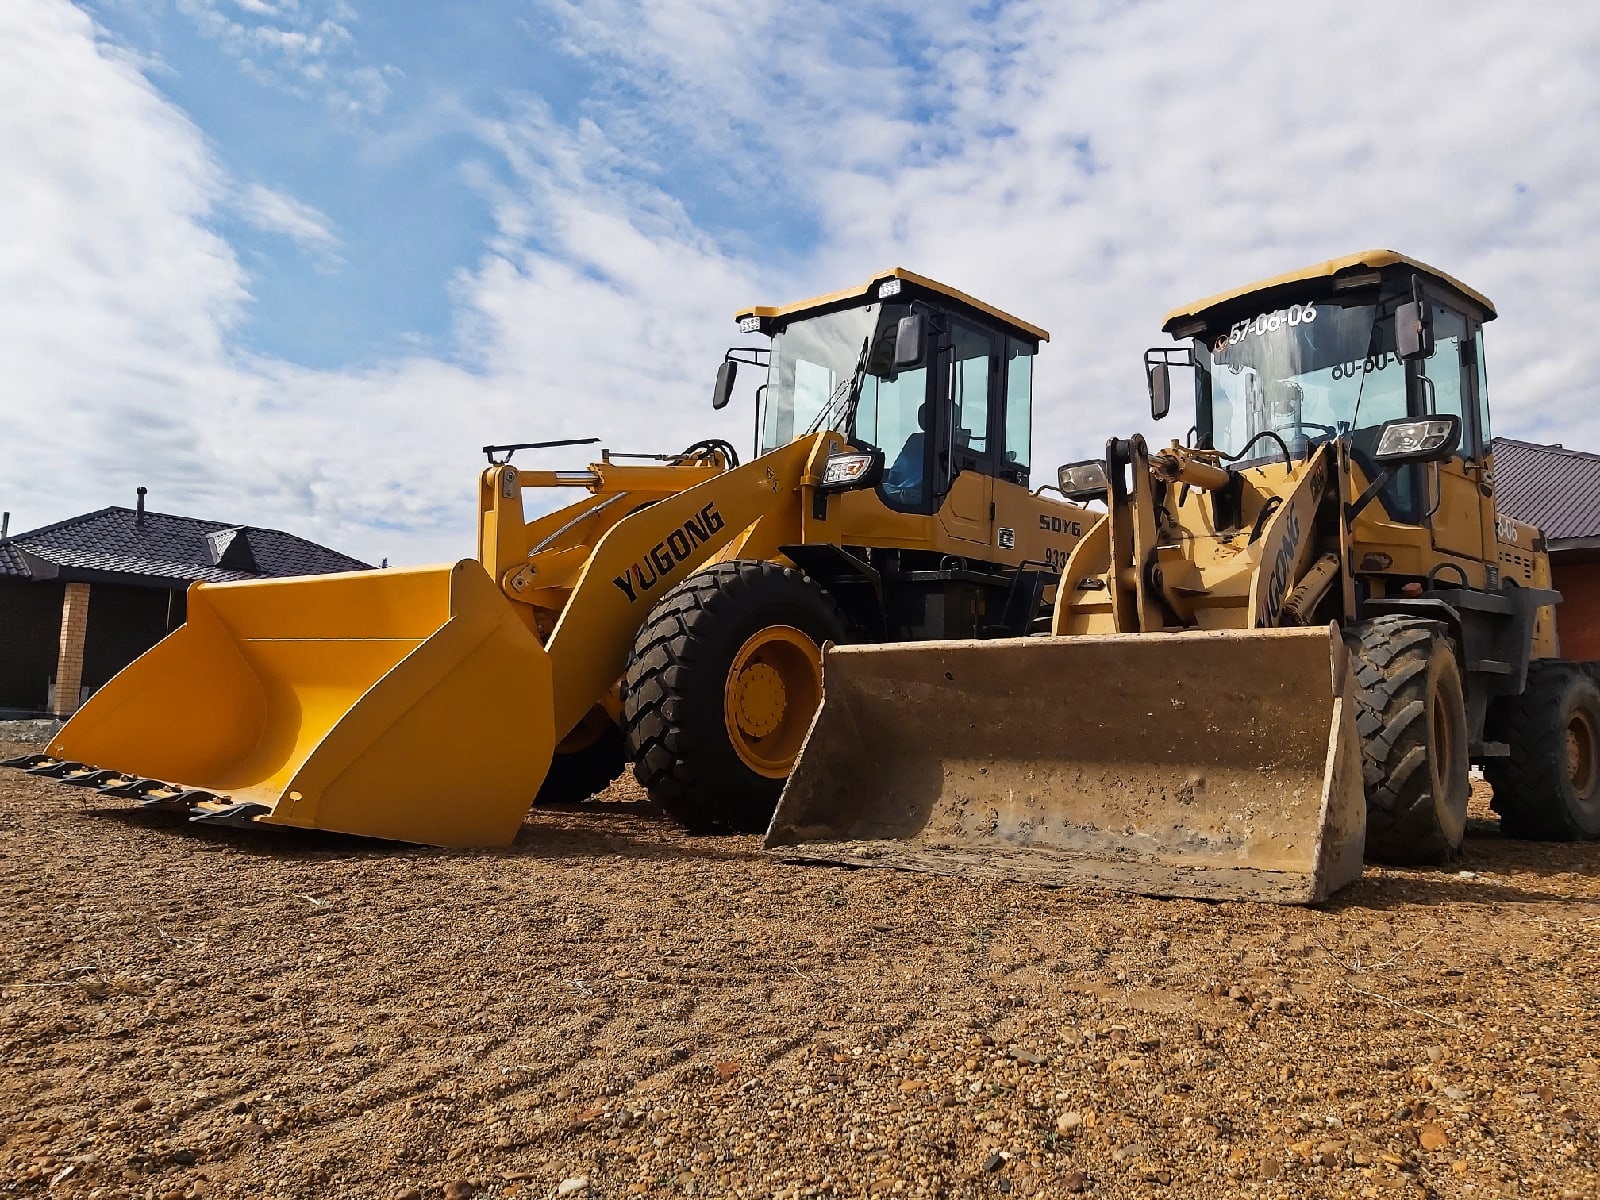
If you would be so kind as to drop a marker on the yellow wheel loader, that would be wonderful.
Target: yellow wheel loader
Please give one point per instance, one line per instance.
(673, 616)
(1281, 649)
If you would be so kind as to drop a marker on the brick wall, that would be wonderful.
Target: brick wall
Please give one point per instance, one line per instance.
(69, 661)
(1578, 614)
(30, 633)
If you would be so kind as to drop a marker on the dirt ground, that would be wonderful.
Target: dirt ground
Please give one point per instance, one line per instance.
(612, 1008)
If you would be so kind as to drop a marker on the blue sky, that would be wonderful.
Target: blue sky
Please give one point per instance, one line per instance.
(378, 143)
(291, 262)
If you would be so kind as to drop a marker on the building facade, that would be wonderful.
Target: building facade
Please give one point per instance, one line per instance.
(1559, 491)
(81, 599)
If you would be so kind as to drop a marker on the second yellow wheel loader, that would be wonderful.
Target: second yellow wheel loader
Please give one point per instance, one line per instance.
(1281, 649)
(672, 617)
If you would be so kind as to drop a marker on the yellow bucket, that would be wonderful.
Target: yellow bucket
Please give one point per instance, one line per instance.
(408, 704)
(1223, 765)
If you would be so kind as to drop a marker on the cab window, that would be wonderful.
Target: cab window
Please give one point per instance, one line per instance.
(1019, 410)
(1447, 389)
(972, 351)
(893, 415)
(1485, 439)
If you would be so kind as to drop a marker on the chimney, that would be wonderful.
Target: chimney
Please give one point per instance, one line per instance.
(5, 525)
(138, 512)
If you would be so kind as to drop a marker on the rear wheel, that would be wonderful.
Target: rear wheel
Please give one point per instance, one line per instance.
(1548, 788)
(725, 677)
(1412, 717)
(586, 761)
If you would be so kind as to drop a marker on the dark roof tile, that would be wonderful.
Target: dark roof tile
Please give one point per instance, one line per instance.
(169, 547)
(1549, 486)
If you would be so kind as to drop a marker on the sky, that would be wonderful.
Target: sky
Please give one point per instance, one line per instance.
(292, 262)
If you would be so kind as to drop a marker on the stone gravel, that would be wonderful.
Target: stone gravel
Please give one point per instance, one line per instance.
(613, 1008)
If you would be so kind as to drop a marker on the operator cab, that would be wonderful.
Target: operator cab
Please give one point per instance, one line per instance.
(1284, 365)
(934, 380)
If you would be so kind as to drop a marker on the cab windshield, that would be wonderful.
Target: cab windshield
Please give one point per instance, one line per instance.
(819, 368)
(1307, 373)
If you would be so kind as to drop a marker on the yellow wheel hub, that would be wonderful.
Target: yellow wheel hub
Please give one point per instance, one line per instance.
(1581, 753)
(772, 691)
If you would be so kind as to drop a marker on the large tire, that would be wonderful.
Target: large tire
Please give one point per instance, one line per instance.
(586, 762)
(735, 637)
(1548, 788)
(1411, 715)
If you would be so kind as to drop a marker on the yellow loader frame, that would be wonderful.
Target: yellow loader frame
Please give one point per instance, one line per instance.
(419, 704)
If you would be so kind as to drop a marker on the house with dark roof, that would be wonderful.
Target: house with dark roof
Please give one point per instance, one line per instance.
(81, 599)
(1558, 490)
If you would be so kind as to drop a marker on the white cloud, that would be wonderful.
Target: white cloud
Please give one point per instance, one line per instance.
(307, 48)
(1087, 169)
(117, 316)
(278, 212)
(115, 296)
(1090, 167)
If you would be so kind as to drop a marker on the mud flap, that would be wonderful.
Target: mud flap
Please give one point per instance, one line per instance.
(1219, 765)
(407, 704)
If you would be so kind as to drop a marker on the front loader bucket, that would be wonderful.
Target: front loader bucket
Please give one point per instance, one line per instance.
(409, 704)
(1220, 765)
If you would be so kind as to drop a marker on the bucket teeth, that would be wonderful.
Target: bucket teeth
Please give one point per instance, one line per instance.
(26, 762)
(130, 786)
(152, 793)
(241, 812)
(55, 768)
(92, 779)
(200, 804)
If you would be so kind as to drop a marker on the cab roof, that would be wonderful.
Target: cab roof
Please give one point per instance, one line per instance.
(1369, 259)
(868, 290)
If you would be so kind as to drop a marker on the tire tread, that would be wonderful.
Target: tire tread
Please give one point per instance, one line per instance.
(1391, 656)
(671, 750)
(1529, 784)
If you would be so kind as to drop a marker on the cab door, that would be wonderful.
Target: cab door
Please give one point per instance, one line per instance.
(965, 465)
(1448, 385)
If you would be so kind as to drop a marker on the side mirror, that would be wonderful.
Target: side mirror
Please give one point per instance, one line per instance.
(1160, 382)
(1413, 332)
(723, 392)
(908, 341)
(1407, 440)
(1086, 480)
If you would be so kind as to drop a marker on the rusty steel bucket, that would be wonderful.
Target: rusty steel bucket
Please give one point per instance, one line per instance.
(1215, 764)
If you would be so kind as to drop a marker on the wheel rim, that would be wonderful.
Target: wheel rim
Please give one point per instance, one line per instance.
(772, 691)
(1583, 763)
(1448, 735)
(1443, 736)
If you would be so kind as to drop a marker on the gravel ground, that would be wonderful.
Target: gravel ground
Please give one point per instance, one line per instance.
(613, 1008)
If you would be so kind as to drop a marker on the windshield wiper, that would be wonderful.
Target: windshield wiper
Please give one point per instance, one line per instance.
(845, 396)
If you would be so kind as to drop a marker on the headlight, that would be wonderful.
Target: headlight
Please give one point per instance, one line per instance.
(750, 324)
(1429, 438)
(889, 287)
(842, 470)
(1084, 480)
